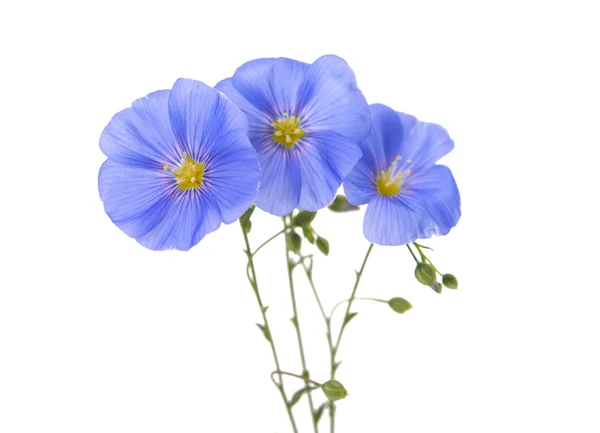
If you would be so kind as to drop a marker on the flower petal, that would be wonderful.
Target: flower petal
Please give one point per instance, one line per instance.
(271, 85)
(140, 136)
(325, 159)
(425, 144)
(233, 175)
(258, 121)
(135, 199)
(192, 215)
(332, 101)
(429, 206)
(199, 116)
(438, 195)
(280, 185)
(360, 186)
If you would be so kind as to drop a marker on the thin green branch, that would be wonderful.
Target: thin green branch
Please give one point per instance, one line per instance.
(251, 273)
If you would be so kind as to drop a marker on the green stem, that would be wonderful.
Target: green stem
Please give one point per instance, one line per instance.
(327, 320)
(411, 253)
(334, 349)
(254, 284)
(305, 372)
(267, 241)
(304, 378)
(424, 257)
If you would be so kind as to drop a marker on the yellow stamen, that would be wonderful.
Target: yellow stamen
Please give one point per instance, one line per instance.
(287, 130)
(190, 174)
(389, 182)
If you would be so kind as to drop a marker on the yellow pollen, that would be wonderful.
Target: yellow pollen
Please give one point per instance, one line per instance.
(190, 174)
(389, 182)
(287, 130)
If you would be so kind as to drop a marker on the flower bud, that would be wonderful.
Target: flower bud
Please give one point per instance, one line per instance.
(399, 305)
(323, 245)
(334, 390)
(425, 274)
(450, 281)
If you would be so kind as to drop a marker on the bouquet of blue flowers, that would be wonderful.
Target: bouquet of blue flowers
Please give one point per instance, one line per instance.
(283, 136)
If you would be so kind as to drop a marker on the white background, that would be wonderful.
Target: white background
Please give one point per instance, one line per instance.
(98, 334)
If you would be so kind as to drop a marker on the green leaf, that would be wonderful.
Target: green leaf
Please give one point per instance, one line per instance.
(323, 245)
(265, 331)
(298, 395)
(294, 321)
(246, 216)
(264, 308)
(309, 234)
(399, 305)
(294, 241)
(303, 218)
(349, 317)
(341, 204)
(318, 413)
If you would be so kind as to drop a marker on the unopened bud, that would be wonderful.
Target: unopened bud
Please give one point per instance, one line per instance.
(450, 281)
(399, 305)
(425, 274)
(334, 390)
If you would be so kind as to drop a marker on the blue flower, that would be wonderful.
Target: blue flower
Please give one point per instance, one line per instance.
(408, 196)
(179, 164)
(305, 122)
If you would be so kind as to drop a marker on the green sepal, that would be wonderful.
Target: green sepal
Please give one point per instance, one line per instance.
(341, 204)
(323, 245)
(294, 241)
(309, 234)
(303, 218)
(246, 216)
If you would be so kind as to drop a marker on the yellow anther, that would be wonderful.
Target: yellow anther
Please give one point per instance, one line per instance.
(287, 130)
(190, 174)
(389, 182)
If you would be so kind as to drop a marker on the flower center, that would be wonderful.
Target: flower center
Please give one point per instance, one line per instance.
(389, 182)
(190, 174)
(287, 130)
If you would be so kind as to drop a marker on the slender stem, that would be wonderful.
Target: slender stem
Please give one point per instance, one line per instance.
(254, 284)
(411, 253)
(351, 299)
(296, 321)
(424, 257)
(304, 378)
(334, 349)
(267, 241)
(308, 272)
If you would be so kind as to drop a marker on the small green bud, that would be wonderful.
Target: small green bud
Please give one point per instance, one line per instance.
(245, 218)
(303, 218)
(450, 281)
(425, 274)
(334, 390)
(309, 234)
(341, 204)
(399, 305)
(294, 242)
(323, 245)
